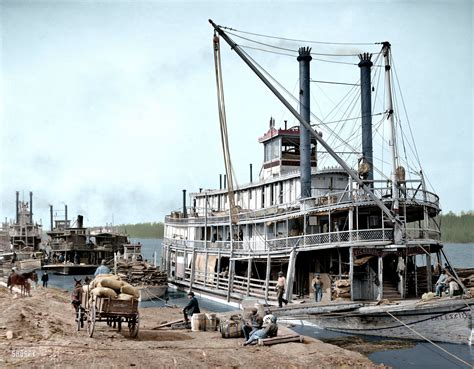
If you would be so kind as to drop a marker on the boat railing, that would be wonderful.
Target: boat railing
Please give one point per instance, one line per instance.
(325, 201)
(241, 284)
(311, 240)
(422, 234)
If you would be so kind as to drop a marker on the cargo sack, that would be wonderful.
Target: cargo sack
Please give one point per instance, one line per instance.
(125, 297)
(231, 328)
(112, 283)
(104, 292)
(130, 290)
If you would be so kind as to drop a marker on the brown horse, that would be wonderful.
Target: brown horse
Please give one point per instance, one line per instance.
(17, 279)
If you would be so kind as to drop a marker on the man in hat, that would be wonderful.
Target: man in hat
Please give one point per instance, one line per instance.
(280, 289)
(192, 307)
(102, 269)
(318, 287)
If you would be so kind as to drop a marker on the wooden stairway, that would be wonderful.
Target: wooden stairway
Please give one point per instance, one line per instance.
(390, 291)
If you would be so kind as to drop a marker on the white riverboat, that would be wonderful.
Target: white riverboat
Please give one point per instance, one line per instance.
(370, 235)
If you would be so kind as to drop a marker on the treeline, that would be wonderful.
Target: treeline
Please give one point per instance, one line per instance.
(458, 228)
(143, 230)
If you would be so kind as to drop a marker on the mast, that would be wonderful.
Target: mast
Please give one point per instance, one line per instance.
(392, 143)
(397, 229)
(305, 123)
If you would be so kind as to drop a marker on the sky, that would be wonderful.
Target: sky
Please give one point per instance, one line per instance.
(110, 107)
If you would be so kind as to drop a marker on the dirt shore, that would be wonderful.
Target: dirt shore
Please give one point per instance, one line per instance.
(45, 336)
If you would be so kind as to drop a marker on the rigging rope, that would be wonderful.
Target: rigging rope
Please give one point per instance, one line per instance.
(296, 40)
(284, 48)
(427, 339)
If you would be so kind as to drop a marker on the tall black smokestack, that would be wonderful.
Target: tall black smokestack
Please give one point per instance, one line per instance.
(185, 213)
(305, 139)
(366, 108)
(251, 179)
(17, 207)
(80, 221)
(31, 207)
(51, 217)
(65, 216)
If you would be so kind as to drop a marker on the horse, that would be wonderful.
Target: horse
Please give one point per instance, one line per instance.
(76, 300)
(76, 296)
(17, 279)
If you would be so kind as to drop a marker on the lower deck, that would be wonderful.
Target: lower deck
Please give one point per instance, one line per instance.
(347, 273)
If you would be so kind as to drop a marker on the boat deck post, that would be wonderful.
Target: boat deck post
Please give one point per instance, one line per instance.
(429, 277)
(267, 275)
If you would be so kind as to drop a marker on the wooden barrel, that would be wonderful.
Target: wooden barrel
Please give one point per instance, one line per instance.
(198, 322)
(211, 322)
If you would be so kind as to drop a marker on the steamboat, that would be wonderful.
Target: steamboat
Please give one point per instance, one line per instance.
(370, 235)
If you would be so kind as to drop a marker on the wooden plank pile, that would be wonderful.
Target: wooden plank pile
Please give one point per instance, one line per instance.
(141, 273)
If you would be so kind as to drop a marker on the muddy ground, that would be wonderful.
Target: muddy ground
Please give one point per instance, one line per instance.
(45, 336)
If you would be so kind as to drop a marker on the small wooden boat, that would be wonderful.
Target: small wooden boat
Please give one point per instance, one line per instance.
(442, 320)
(148, 293)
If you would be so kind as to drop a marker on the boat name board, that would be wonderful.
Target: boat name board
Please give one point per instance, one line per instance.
(449, 316)
(359, 251)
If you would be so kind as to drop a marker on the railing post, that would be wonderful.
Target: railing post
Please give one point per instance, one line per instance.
(205, 268)
(267, 275)
(193, 269)
(218, 267)
(351, 271)
(249, 270)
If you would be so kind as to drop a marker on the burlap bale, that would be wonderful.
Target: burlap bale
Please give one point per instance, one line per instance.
(125, 297)
(104, 292)
(342, 283)
(96, 281)
(428, 296)
(130, 290)
(112, 283)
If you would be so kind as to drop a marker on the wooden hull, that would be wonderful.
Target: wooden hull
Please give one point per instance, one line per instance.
(445, 320)
(148, 293)
(70, 269)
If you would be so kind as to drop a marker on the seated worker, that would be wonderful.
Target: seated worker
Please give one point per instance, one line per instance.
(191, 308)
(441, 284)
(270, 329)
(102, 269)
(254, 323)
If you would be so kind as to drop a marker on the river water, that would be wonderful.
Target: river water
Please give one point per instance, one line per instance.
(423, 355)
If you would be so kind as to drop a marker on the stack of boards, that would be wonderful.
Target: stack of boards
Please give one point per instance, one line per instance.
(109, 285)
(141, 273)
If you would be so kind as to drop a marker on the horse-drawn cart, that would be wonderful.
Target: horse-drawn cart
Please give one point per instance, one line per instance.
(105, 309)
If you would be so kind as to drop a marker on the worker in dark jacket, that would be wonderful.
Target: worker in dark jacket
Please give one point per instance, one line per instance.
(192, 307)
(254, 323)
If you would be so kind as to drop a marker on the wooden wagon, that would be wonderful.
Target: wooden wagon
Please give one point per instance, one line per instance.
(105, 309)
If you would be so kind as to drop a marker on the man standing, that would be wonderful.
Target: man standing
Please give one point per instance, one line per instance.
(191, 308)
(102, 269)
(318, 287)
(45, 279)
(280, 289)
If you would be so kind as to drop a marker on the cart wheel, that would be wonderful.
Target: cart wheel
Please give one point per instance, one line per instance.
(133, 325)
(79, 318)
(91, 321)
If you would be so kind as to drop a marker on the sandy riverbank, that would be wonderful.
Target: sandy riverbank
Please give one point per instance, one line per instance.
(45, 336)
